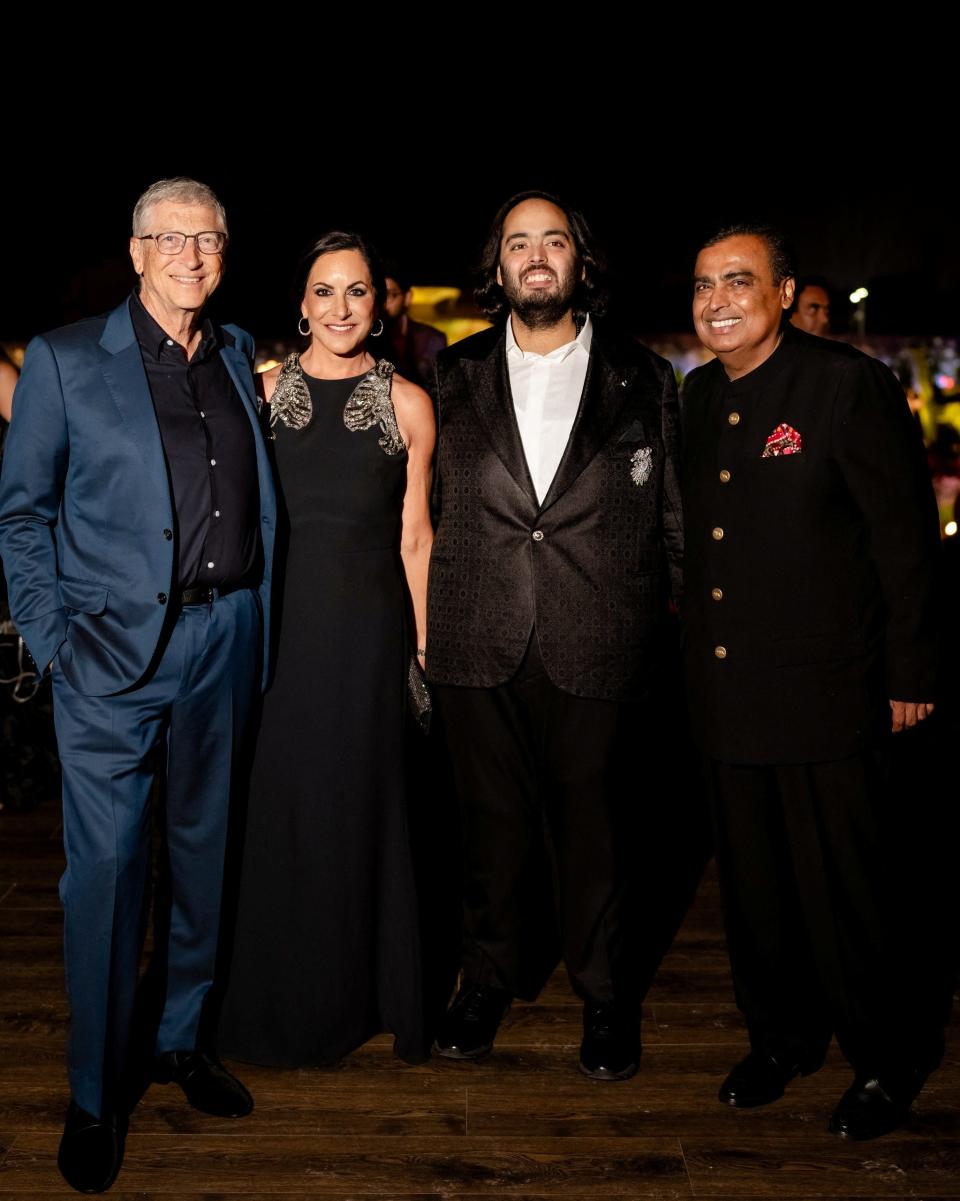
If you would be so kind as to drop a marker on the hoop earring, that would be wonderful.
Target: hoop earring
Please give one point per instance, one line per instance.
(304, 333)
(379, 331)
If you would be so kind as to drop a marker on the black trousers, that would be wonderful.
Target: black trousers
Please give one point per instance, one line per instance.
(819, 914)
(540, 775)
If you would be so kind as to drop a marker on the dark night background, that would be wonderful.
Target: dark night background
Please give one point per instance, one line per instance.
(874, 209)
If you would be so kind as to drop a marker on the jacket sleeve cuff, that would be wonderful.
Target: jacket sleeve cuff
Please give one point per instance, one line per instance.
(43, 637)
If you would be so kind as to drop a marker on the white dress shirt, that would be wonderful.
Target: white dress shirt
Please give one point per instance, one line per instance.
(546, 392)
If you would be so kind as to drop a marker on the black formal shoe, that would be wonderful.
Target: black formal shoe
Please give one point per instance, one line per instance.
(91, 1150)
(759, 1079)
(207, 1084)
(611, 1044)
(470, 1024)
(871, 1107)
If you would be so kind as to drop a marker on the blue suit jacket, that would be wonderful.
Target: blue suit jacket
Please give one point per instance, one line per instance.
(85, 499)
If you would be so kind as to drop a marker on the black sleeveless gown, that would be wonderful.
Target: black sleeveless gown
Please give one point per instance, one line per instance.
(326, 947)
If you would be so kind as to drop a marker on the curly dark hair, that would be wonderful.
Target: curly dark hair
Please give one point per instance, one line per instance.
(338, 239)
(591, 293)
(783, 261)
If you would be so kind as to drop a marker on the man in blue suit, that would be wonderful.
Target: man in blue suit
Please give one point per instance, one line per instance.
(136, 528)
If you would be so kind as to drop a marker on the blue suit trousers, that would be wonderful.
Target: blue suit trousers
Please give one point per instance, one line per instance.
(187, 720)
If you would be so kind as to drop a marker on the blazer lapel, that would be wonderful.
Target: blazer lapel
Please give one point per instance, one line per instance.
(605, 391)
(489, 382)
(126, 379)
(238, 367)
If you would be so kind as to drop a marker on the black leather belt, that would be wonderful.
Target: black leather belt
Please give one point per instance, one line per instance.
(206, 596)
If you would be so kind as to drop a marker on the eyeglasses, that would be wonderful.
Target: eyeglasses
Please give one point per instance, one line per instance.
(210, 241)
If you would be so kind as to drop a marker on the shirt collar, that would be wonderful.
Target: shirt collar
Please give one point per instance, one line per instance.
(155, 339)
(582, 342)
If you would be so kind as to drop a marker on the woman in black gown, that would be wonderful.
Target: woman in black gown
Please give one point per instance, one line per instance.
(326, 948)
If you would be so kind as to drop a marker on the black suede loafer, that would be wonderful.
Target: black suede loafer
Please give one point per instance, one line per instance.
(611, 1044)
(470, 1024)
(759, 1079)
(871, 1107)
(91, 1150)
(206, 1083)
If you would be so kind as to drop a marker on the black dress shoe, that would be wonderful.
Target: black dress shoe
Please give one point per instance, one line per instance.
(91, 1150)
(611, 1044)
(470, 1024)
(871, 1107)
(207, 1084)
(759, 1079)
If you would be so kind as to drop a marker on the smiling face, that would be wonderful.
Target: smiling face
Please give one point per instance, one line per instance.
(176, 286)
(539, 266)
(737, 308)
(339, 301)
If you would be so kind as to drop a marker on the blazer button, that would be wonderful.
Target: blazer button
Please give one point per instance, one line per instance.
(717, 594)
(720, 652)
(168, 534)
(733, 418)
(162, 598)
(537, 535)
(717, 533)
(724, 476)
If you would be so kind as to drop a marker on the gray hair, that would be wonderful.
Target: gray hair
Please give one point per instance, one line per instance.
(180, 188)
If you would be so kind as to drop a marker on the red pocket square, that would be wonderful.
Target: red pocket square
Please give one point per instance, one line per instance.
(784, 440)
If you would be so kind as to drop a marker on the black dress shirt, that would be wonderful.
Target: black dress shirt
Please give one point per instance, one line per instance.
(211, 457)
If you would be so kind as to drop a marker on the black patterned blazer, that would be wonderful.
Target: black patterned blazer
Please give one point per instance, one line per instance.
(591, 568)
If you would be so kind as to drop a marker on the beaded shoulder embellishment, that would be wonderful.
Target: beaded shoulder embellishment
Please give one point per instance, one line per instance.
(290, 402)
(370, 404)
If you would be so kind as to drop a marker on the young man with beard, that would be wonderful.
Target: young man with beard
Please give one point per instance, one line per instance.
(558, 540)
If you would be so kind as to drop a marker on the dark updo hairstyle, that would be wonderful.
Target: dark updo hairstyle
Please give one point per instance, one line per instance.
(337, 239)
(590, 295)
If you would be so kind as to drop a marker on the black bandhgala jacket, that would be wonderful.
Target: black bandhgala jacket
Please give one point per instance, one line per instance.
(810, 595)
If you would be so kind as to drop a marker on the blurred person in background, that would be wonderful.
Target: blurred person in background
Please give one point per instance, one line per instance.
(411, 345)
(8, 381)
(811, 309)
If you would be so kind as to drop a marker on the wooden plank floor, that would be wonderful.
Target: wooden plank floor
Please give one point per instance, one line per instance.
(521, 1125)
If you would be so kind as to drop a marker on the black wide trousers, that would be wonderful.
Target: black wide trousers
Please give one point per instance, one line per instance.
(540, 775)
(820, 914)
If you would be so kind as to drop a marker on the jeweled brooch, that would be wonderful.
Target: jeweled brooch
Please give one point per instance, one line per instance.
(641, 464)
